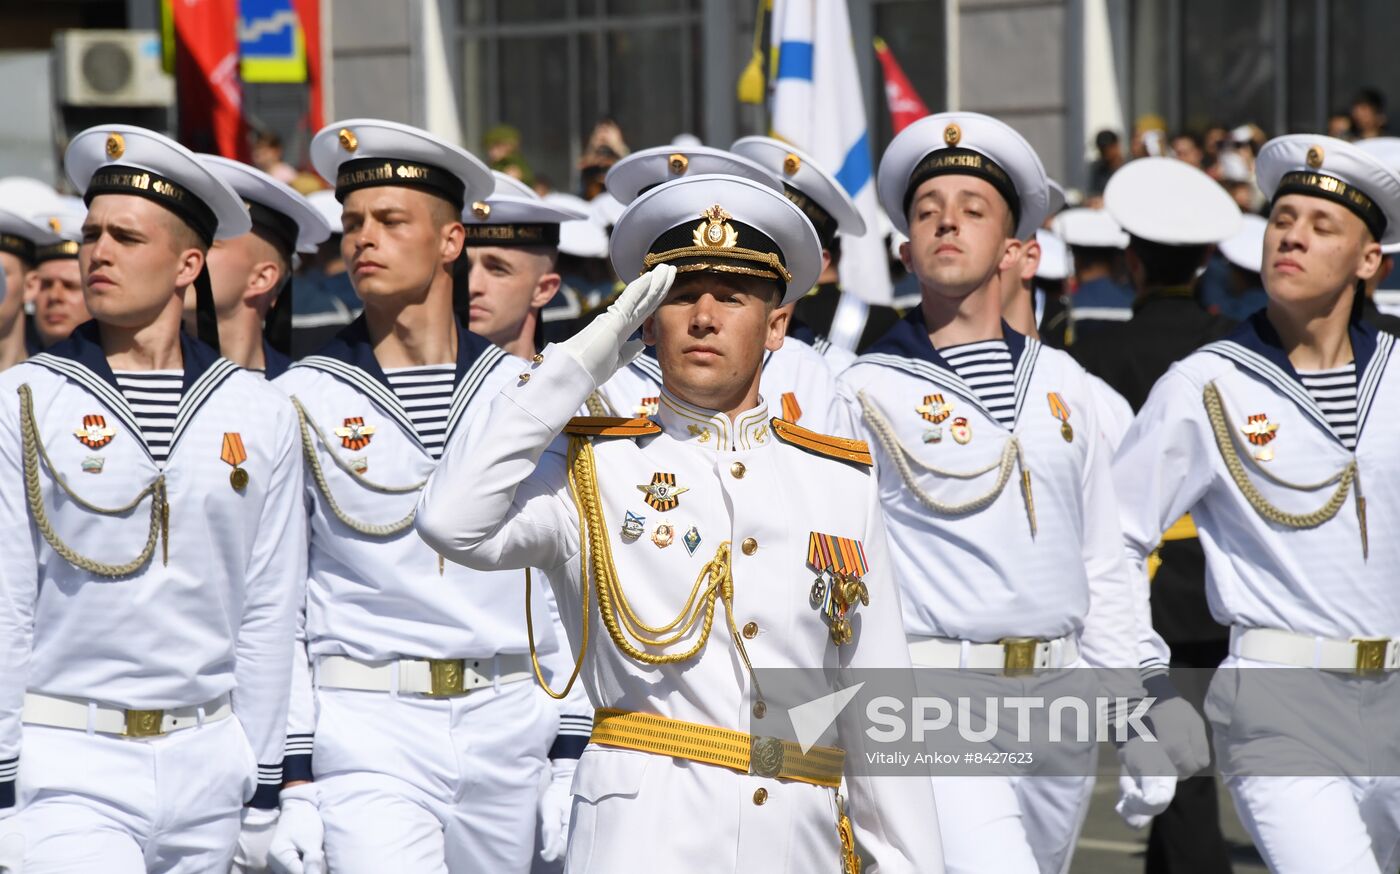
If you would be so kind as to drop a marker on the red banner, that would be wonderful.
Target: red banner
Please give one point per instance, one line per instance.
(903, 101)
(309, 11)
(206, 70)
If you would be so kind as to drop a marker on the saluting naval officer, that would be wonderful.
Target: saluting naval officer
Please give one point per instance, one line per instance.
(417, 738)
(1280, 439)
(995, 483)
(251, 274)
(798, 382)
(151, 546)
(715, 494)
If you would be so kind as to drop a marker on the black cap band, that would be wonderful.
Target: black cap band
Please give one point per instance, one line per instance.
(280, 227)
(513, 234)
(56, 251)
(736, 247)
(822, 220)
(17, 246)
(371, 172)
(964, 162)
(120, 179)
(1313, 184)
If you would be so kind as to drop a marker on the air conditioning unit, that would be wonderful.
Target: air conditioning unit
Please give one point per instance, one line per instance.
(111, 68)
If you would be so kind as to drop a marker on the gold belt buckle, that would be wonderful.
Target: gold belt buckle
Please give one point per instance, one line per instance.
(448, 677)
(144, 723)
(1370, 654)
(1020, 656)
(765, 756)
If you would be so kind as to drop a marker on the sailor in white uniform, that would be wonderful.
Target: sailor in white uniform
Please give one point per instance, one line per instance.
(1280, 440)
(994, 476)
(417, 738)
(797, 379)
(252, 274)
(716, 490)
(151, 548)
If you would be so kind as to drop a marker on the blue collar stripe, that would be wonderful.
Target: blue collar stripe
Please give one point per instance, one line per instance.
(944, 376)
(367, 385)
(1272, 374)
(195, 397)
(1370, 381)
(649, 366)
(109, 396)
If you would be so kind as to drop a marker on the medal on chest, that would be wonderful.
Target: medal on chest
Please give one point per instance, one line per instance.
(840, 565)
(1060, 410)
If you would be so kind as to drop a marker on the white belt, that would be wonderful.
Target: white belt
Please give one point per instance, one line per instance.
(1358, 655)
(1010, 655)
(439, 678)
(105, 719)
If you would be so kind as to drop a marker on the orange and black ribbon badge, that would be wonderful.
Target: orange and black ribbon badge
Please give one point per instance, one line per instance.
(1261, 432)
(840, 563)
(933, 409)
(1060, 410)
(662, 493)
(792, 410)
(233, 454)
(355, 434)
(95, 432)
(648, 407)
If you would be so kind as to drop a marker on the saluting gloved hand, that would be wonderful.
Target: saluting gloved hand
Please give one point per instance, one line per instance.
(602, 346)
(556, 806)
(1179, 728)
(298, 845)
(254, 838)
(1147, 783)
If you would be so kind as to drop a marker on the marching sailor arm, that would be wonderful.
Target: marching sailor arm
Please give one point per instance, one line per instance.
(19, 588)
(893, 815)
(276, 579)
(1162, 469)
(498, 498)
(301, 709)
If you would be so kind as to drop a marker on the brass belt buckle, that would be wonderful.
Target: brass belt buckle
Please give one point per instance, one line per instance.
(1370, 654)
(1020, 656)
(448, 677)
(765, 756)
(144, 723)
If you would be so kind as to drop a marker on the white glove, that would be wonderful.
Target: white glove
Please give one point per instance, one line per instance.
(254, 838)
(556, 806)
(1147, 782)
(11, 845)
(602, 346)
(297, 847)
(1182, 733)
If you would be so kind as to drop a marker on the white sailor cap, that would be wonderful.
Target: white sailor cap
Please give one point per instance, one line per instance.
(1055, 261)
(325, 203)
(645, 169)
(275, 207)
(1163, 200)
(1384, 149)
(21, 233)
(123, 159)
(1090, 228)
(815, 191)
(64, 221)
(724, 224)
(368, 152)
(582, 238)
(1335, 170)
(25, 195)
(507, 185)
(606, 209)
(969, 144)
(513, 220)
(1058, 198)
(1246, 248)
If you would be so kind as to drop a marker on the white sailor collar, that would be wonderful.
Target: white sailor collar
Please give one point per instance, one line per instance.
(710, 429)
(907, 347)
(349, 357)
(1256, 348)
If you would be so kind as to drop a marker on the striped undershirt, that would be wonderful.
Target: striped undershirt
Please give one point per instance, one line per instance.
(1334, 391)
(986, 368)
(426, 394)
(154, 398)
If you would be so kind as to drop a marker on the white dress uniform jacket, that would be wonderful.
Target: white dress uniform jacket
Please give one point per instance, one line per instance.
(500, 499)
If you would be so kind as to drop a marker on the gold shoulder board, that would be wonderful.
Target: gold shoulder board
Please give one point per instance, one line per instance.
(610, 426)
(840, 448)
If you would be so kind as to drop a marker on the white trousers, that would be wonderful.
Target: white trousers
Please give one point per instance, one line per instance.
(1269, 721)
(93, 804)
(431, 786)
